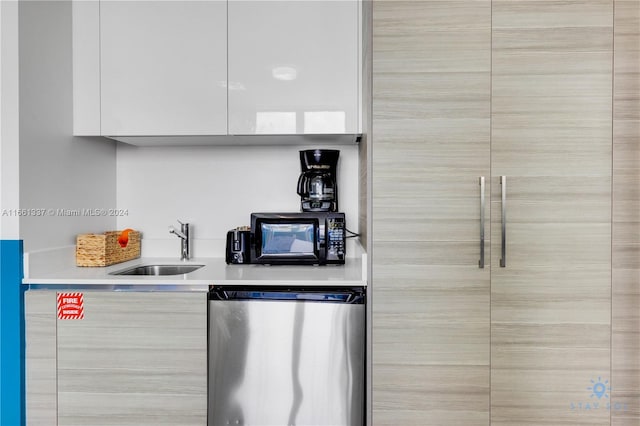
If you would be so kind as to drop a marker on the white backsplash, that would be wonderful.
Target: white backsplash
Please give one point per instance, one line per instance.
(215, 189)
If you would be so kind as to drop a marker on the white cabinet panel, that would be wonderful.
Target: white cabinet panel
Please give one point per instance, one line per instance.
(86, 68)
(293, 67)
(159, 68)
(163, 67)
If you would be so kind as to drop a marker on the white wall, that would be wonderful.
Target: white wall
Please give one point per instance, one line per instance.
(9, 128)
(57, 171)
(215, 189)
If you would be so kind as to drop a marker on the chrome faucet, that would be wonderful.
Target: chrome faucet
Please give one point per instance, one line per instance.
(183, 234)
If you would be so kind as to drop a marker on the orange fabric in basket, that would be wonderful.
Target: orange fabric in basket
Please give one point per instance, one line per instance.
(123, 239)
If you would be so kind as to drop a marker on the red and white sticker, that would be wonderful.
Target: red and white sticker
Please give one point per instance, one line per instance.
(70, 306)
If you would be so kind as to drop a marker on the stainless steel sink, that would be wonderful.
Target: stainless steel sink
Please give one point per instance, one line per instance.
(158, 270)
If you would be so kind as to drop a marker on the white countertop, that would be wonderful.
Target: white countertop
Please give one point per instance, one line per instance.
(57, 267)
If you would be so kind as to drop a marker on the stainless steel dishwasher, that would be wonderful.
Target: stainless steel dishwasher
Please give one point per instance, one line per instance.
(286, 356)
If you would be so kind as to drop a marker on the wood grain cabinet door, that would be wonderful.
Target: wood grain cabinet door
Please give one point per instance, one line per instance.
(625, 319)
(551, 138)
(40, 357)
(135, 359)
(430, 144)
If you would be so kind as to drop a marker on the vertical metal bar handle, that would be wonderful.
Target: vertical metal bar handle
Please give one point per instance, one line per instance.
(503, 186)
(481, 262)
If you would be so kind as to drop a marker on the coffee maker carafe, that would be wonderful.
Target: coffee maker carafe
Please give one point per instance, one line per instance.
(317, 184)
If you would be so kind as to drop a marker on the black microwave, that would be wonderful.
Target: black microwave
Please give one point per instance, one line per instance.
(308, 238)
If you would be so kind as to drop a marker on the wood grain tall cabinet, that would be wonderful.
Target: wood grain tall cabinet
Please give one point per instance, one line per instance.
(431, 145)
(625, 319)
(551, 140)
(464, 89)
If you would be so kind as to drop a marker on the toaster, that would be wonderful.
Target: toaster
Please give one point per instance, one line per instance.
(238, 245)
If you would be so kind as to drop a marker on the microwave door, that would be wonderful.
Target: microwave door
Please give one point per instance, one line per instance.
(281, 242)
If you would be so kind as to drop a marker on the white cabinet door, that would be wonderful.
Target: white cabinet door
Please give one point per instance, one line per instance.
(293, 67)
(135, 359)
(163, 67)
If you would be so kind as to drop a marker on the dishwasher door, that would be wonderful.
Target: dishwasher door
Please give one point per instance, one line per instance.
(286, 357)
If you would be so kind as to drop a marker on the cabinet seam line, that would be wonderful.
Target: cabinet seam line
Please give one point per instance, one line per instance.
(613, 58)
(490, 213)
(100, 65)
(227, 54)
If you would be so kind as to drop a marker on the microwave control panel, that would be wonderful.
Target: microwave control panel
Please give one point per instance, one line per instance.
(335, 239)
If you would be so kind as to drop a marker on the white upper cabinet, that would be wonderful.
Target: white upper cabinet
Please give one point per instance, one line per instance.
(293, 67)
(163, 67)
(159, 68)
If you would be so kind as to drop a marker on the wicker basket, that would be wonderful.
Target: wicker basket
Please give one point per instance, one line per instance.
(104, 250)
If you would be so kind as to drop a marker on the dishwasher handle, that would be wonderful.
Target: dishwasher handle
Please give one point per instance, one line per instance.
(350, 295)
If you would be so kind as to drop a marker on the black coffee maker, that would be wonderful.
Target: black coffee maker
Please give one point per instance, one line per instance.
(318, 183)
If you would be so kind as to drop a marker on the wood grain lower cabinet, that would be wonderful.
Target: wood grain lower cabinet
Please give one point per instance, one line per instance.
(40, 358)
(135, 359)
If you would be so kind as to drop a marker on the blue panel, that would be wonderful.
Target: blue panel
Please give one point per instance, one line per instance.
(12, 403)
